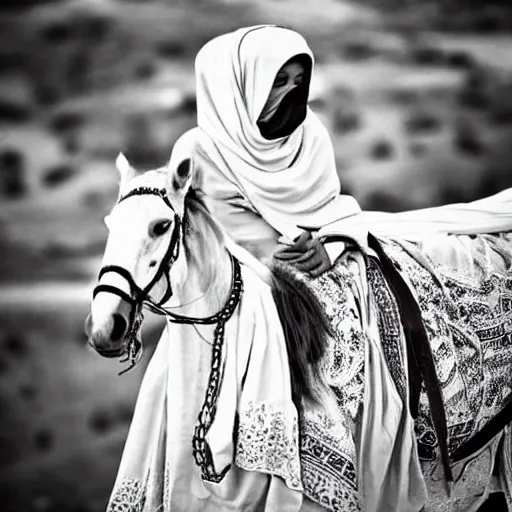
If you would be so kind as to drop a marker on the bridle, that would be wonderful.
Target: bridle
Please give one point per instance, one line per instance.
(138, 297)
(141, 294)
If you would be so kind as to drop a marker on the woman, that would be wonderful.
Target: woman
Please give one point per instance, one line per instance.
(267, 160)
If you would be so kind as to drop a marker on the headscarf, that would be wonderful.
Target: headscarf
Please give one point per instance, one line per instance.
(290, 181)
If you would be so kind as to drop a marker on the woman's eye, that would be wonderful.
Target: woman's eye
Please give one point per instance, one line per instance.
(280, 81)
(298, 80)
(161, 228)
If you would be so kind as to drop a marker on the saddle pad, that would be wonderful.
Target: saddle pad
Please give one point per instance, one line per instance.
(463, 285)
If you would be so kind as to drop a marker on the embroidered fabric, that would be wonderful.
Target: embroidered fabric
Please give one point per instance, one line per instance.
(328, 439)
(266, 443)
(389, 325)
(467, 310)
(129, 497)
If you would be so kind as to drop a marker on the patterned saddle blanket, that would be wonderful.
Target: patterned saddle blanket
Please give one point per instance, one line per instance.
(463, 287)
(464, 291)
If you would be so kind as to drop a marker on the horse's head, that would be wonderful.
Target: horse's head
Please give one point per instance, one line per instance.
(144, 261)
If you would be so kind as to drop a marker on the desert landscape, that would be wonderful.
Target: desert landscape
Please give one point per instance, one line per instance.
(416, 95)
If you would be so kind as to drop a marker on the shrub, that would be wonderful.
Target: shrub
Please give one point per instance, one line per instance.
(64, 122)
(427, 55)
(57, 33)
(417, 149)
(171, 49)
(346, 122)
(141, 146)
(95, 28)
(382, 150)
(13, 112)
(420, 121)
(12, 174)
(100, 422)
(58, 175)
(467, 139)
(44, 439)
(357, 50)
(384, 202)
(189, 104)
(145, 70)
(16, 345)
(474, 93)
(501, 104)
(460, 60)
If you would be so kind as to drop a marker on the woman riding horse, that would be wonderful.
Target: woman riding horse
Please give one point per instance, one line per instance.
(269, 174)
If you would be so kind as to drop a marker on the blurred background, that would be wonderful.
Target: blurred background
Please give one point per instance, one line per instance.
(417, 95)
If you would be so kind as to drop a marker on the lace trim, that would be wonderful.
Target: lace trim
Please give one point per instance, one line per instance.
(268, 442)
(130, 496)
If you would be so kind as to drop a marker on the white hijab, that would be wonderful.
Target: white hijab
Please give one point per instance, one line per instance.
(291, 181)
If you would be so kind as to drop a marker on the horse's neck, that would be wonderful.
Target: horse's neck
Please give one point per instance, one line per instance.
(199, 299)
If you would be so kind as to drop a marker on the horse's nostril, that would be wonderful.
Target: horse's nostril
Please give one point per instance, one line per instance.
(119, 329)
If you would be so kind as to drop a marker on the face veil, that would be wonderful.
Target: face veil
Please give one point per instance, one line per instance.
(292, 108)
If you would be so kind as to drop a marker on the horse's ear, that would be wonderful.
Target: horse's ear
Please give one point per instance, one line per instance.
(182, 176)
(126, 171)
(179, 181)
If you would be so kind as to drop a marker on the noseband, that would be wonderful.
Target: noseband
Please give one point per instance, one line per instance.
(140, 296)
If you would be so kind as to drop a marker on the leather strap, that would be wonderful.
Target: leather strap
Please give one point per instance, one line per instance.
(419, 353)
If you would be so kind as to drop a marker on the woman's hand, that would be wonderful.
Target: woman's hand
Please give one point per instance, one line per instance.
(306, 254)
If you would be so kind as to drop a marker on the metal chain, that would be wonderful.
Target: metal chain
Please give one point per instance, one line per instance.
(200, 448)
(133, 347)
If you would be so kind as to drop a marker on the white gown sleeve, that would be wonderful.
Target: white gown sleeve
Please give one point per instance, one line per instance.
(246, 227)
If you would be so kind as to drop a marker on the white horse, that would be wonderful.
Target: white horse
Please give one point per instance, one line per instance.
(236, 410)
(165, 251)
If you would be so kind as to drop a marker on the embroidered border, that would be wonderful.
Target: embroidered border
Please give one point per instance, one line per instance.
(388, 319)
(265, 443)
(129, 496)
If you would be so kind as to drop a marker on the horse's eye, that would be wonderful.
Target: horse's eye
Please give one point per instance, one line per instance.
(160, 227)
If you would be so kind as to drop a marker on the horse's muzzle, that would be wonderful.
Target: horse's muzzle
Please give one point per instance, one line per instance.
(107, 344)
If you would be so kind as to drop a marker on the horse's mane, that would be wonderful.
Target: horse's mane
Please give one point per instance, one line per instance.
(304, 322)
(306, 330)
(198, 219)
